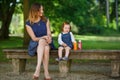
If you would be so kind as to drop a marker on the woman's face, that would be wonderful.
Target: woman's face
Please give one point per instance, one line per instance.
(66, 28)
(41, 11)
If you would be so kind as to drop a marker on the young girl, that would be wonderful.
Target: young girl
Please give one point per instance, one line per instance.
(65, 40)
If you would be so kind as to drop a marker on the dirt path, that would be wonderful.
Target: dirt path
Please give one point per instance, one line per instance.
(82, 71)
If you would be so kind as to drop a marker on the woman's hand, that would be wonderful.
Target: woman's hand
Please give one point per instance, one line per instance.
(47, 38)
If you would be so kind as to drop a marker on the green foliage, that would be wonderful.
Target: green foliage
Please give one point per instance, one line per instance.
(17, 25)
(81, 13)
(91, 29)
(7, 8)
(19, 8)
(85, 16)
(78, 12)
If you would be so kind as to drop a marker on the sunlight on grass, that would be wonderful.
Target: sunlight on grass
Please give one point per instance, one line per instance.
(96, 42)
(97, 38)
(12, 42)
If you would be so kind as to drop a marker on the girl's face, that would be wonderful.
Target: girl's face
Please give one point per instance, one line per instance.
(66, 28)
(41, 11)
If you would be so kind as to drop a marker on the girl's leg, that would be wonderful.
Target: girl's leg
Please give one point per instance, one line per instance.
(40, 50)
(67, 51)
(46, 61)
(60, 49)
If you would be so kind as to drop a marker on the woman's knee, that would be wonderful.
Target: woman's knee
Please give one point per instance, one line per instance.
(47, 48)
(42, 41)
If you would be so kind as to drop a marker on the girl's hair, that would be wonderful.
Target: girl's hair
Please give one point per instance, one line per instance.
(65, 23)
(33, 13)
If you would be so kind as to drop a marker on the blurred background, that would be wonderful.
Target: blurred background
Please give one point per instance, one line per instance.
(95, 22)
(86, 16)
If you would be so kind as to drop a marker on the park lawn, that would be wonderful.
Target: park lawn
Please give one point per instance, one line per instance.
(100, 42)
(12, 42)
(88, 42)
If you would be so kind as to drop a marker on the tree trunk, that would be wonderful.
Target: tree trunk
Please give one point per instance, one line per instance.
(107, 12)
(4, 33)
(118, 15)
(116, 5)
(7, 13)
(26, 9)
(116, 2)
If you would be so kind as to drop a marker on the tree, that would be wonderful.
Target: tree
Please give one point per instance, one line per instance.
(25, 11)
(116, 2)
(85, 14)
(107, 13)
(7, 8)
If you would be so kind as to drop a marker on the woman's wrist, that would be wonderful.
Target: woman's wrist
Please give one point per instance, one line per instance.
(49, 35)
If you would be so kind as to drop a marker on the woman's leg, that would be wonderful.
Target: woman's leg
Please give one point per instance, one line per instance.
(67, 51)
(40, 50)
(46, 61)
(60, 49)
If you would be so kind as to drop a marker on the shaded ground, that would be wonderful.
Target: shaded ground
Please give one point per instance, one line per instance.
(82, 71)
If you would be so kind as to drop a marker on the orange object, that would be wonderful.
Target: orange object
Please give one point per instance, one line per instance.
(75, 45)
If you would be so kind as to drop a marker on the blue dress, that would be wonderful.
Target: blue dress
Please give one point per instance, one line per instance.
(39, 30)
(66, 38)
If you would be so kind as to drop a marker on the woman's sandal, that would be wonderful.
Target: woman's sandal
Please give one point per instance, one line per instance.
(35, 77)
(47, 78)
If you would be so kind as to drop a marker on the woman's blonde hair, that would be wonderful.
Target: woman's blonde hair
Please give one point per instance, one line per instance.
(33, 13)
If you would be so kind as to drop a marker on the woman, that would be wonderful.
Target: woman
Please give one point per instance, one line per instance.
(38, 29)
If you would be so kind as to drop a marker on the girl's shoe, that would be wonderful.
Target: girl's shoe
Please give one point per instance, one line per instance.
(65, 58)
(58, 59)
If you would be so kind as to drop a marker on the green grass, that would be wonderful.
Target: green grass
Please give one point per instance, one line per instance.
(12, 42)
(97, 42)
(100, 42)
(88, 42)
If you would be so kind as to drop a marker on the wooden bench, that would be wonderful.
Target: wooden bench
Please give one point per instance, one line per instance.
(19, 57)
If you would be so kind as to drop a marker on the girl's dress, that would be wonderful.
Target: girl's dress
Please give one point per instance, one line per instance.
(66, 38)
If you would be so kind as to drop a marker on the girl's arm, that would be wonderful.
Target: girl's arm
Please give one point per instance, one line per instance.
(60, 40)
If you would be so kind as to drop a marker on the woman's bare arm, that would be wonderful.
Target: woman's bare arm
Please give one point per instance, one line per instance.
(48, 31)
(32, 35)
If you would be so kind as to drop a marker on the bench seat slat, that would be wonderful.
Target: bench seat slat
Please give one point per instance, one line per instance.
(78, 54)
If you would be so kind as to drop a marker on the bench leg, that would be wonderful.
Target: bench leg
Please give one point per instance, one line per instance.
(18, 65)
(64, 67)
(115, 67)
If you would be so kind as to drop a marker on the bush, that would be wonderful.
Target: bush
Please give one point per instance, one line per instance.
(91, 29)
